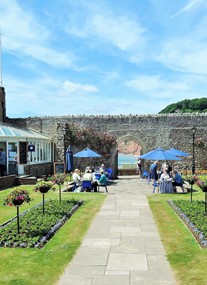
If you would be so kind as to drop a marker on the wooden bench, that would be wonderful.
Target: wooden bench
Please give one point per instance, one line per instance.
(68, 187)
(187, 187)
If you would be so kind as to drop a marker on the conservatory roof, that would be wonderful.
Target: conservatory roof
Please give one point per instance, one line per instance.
(13, 132)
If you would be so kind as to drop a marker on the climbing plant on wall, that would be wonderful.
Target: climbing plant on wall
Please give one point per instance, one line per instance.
(101, 142)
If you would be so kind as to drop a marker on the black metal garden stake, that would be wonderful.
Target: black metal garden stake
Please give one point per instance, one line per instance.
(60, 192)
(43, 203)
(18, 231)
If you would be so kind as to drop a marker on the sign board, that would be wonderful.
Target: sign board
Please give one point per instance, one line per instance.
(59, 168)
(31, 147)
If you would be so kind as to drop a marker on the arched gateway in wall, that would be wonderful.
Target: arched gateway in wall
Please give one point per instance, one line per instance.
(149, 131)
(130, 144)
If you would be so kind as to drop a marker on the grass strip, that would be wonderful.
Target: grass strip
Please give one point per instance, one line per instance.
(187, 259)
(30, 266)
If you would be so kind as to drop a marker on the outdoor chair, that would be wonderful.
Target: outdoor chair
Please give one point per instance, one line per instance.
(74, 187)
(105, 186)
(109, 173)
(87, 185)
(156, 184)
(145, 174)
(97, 176)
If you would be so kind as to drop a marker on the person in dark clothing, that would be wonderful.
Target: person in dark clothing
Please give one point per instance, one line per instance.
(153, 170)
(177, 180)
(139, 166)
(2, 161)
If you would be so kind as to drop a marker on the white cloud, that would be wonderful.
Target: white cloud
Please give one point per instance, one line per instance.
(119, 31)
(185, 54)
(76, 87)
(189, 6)
(155, 86)
(24, 35)
(105, 25)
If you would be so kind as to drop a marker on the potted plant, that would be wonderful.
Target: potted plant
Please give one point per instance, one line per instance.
(202, 184)
(17, 197)
(44, 186)
(191, 179)
(59, 179)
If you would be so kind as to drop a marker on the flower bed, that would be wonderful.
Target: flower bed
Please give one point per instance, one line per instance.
(36, 229)
(193, 215)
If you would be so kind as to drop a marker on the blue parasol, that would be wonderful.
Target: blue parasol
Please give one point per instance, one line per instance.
(177, 152)
(87, 152)
(69, 160)
(159, 154)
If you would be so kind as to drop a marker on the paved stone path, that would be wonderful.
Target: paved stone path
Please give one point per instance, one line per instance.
(122, 246)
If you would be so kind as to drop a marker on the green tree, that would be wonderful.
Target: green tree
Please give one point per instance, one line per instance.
(198, 105)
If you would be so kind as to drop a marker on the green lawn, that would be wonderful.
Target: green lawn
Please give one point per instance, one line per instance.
(187, 259)
(44, 266)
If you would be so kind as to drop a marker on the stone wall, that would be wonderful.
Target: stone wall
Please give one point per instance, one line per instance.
(39, 169)
(7, 181)
(149, 131)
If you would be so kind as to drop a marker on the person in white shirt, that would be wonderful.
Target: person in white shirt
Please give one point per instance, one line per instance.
(164, 175)
(102, 167)
(88, 175)
(77, 180)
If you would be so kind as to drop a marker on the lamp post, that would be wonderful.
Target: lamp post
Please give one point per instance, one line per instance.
(193, 160)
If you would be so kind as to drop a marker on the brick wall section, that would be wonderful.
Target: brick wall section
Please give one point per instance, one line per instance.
(150, 131)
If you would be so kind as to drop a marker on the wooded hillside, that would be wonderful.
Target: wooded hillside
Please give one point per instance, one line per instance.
(198, 105)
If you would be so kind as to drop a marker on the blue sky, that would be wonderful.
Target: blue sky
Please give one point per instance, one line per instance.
(102, 57)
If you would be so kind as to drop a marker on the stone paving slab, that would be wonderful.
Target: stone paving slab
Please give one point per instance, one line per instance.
(122, 245)
(127, 261)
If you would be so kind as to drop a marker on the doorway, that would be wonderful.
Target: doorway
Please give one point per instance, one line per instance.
(12, 158)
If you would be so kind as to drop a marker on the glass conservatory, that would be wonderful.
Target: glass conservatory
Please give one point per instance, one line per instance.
(24, 147)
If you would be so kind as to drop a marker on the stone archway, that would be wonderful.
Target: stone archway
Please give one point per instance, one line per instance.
(130, 144)
(129, 148)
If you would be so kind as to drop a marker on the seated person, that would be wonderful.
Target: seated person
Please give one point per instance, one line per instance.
(77, 180)
(168, 168)
(102, 167)
(164, 175)
(94, 181)
(103, 180)
(88, 168)
(177, 180)
(88, 176)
